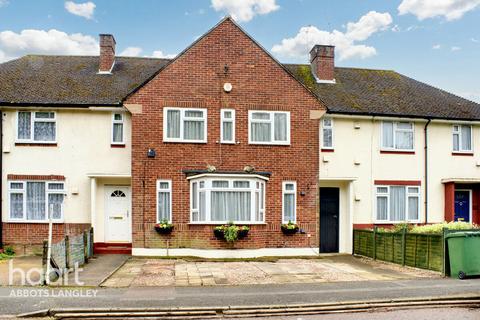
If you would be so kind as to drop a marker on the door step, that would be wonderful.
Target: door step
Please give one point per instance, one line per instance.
(112, 248)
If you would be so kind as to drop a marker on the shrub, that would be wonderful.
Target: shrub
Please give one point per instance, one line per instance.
(438, 228)
(9, 251)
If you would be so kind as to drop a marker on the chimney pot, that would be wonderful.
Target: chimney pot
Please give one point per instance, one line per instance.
(107, 53)
(322, 62)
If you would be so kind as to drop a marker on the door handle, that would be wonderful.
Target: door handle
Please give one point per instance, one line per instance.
(335, 216)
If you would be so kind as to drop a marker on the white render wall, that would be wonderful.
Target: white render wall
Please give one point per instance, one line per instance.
(357, 157)
(83, 148)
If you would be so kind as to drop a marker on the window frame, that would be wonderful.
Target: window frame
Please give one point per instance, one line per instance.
(387, 195)
(48, 191)
(181, 139)
(294, 192)
(122, 122)
(395, 129)
(323, 134)
(272, 127)
(170, 191)
(208, 188)
(33, 120)
(459, 133)
(222, 121)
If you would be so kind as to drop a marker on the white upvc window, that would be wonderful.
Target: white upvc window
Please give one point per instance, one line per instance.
(185, 125)
(397, 204)
(164, 200)
(289, 201)
(397, 136)
(221, 199)
(462, 138)
(36, 127)
(269, 127)
(227, 126)
(34, 201)
(118, 134)
(327, 133)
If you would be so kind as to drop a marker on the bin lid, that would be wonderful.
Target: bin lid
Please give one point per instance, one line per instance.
(463, 234)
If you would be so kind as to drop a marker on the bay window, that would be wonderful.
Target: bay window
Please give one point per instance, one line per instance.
(397, 203)
(223, 199)
(269, 127)
(185, 125)
(397, 136)
(38, 126)
(36, 200)
(462, 138)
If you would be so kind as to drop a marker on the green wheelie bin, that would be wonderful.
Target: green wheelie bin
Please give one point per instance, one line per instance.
(464, 253)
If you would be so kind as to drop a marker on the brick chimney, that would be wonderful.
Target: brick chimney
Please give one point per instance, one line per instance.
(107, 53)
(322, 61)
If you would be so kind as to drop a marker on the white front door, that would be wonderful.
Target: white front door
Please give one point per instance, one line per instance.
(117, 214)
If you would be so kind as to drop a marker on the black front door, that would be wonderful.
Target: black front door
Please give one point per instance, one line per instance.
(329, 214)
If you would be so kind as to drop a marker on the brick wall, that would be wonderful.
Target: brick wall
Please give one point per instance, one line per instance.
(196, 79)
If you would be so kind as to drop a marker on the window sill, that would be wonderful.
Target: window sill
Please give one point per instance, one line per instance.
(396, 222)
(466, 154)
(35, 144)
(117, 145)
(223, 223)
(34, 221)
(327, 150)
(396, 152)
(177, 141)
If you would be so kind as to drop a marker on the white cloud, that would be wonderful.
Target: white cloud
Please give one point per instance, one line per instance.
(31, 41)
(245, 10)
(455, 48)
(131, 52)
(450, 9)
(346, 43)
(475, 40)
(436, 46)
(81, 9)
(3, 3)
(160, 54)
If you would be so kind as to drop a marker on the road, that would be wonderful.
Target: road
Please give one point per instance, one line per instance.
(33, 299)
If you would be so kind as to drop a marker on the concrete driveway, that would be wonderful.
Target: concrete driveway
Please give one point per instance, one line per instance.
(142, 272)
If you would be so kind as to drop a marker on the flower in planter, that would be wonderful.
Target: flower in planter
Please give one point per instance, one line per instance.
(230, 232)
(164, 227)
(289, 228)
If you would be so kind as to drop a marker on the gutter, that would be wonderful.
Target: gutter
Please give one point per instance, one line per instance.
(425, 129)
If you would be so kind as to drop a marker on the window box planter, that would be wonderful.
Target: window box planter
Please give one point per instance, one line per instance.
(230, 232)
(164, 227)
(219, 233)
(289, 228)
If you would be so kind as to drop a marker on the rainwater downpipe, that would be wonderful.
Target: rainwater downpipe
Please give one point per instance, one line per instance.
(425, 129)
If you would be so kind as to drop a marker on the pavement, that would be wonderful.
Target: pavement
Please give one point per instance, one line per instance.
(140, 272)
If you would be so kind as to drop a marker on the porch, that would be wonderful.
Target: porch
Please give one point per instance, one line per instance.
(462, 199)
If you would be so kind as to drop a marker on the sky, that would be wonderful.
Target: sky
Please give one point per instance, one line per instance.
(434, 41)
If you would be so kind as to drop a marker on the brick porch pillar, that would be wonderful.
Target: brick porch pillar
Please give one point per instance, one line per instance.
(449, 201)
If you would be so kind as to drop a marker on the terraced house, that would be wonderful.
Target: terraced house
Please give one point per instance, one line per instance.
(224, 132)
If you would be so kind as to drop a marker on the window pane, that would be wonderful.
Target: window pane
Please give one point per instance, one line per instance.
(117, 116)
(55, 202)
(202, 209)
(261, 132)
(262, 194)
(194, 114)
(404, 140)
(387, 134)
(397, 203)
(44, 131)
(327, 138)
(227, 114)
(382, 208)
(24, 125)
(257, 207)
(261, 116)
(413, 208)
(163, 185)
(413, 190)
(456, 142)
(289, 207)
(193, 130)
(466, 138)
(16, 185)
(55, 186)
(327, 122)
(194, 195)
(280, 126)
(227, 131)
(163, 206)
(404, 125)
(231, 206)
(44, 115)
(382, 190)
(36, 201)
(117, 132)
(220, 184)
(16, 205)
(173, 123)
(289, 186)
(241, 184)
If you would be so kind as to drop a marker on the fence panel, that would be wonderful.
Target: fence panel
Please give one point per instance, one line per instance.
(77, 253)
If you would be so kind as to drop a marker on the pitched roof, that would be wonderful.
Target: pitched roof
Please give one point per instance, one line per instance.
(387, 93)
(72, 80)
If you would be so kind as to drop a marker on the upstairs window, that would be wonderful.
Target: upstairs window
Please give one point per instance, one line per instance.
(117, 129)
(269, 127)
(462, 138)
(36, 126)
(327, 133)
(184, 125)
(227, 126)
(397, 136)
(397, 203)
(35, 200)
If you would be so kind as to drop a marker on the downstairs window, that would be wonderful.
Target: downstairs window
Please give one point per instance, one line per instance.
(397, 203)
